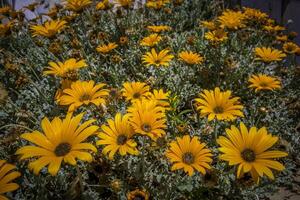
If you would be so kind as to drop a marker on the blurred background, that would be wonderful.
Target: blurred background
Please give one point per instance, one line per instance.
(285, 12)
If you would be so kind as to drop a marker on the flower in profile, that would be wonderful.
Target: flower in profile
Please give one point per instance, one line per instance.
(264, 82)
(210, 25)
(106, 48)
(189, 154)
(137, 194)
(290, 47)
(161, 97)
(268, 54)
(159, 28)
(103, 5)
(117, 137)
(216, 36)
(298, 51)
(231, 19)
(147, 118)
(151, 40)
(249, 150)
(77, 5)
(48, 29)
(64, 69)
(219, 105)
(61, 140)
(133, 91)
(273, 29)
(123, 3)
(157, 4)
(254, 14)
(282, 38)
(6, 176)
(83, 93)
(190, 57)
(157, 59)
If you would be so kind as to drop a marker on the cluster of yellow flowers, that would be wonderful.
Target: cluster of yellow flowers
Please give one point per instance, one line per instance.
(66, 140)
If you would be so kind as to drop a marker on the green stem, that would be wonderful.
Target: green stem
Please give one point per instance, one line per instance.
(41, 93)
(17, 125)
(215, 129)
(80, 179)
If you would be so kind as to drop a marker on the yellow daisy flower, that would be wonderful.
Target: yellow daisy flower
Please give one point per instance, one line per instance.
(117, 137)
(137, 194)
(254, 14)
(6, 176)
(159, 28)
(64, 84)
(106, 48)
(48, 29)
(190, 57)
(273, 29)
(103, 5)
(264, 82)
(290, 47)
(133, 91)
(216, 36)
(151, 40)
(161, 58)
(83, 93)
(64, 69)
(268, 54)
(62, 140)
(147, 118)
(158, 4)
(248, 149)
(189, 154)
(219, 105)
(123, 3)
(77, 5)
(282, 38)
(210, 25)
(161, 97)
(231, 19)
(298, 51)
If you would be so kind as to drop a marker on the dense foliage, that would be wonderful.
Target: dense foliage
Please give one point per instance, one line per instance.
(136, 83)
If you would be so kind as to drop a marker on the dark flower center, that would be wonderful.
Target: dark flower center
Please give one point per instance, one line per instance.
(157, 61)
(62, 149)
(71, 75)
(136, 95)
(290, 48)
(263, 84)
(248, 155)
(121, 140)
(160, 141)
(113, 92)
(218, 110)
(188, 158)
(146, 127)
(85, 97)
(139, 197)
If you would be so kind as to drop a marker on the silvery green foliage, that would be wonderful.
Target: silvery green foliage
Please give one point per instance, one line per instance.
(227, 66)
